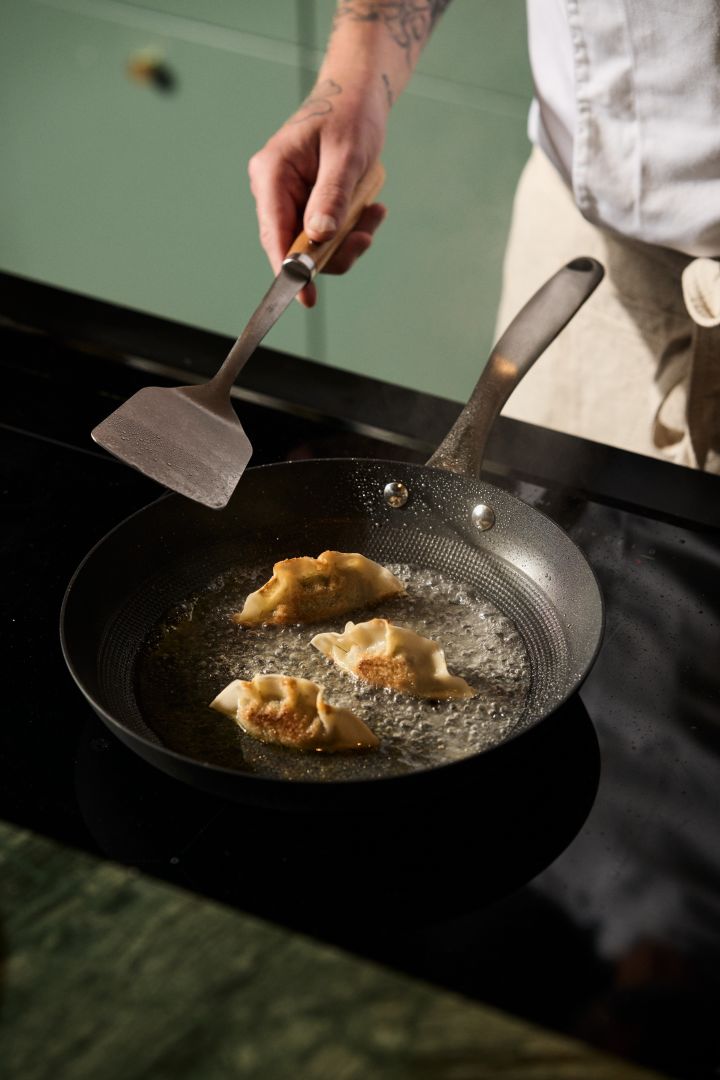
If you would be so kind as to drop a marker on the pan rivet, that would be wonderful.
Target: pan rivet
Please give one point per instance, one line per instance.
(396, 494)
(483, 517)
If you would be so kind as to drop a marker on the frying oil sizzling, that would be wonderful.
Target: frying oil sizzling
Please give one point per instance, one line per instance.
(197, 650)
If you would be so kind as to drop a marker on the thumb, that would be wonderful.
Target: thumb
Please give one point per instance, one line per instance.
(327, 206)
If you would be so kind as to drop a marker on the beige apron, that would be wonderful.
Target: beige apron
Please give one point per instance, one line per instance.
(639, 366)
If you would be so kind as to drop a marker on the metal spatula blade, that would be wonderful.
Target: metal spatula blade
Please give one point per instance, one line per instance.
(189, 437)
(183, 442)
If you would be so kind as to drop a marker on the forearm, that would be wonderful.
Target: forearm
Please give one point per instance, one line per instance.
(375, 45)
(309, 168)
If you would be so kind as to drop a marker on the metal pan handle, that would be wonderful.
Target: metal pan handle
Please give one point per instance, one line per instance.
(526, 338)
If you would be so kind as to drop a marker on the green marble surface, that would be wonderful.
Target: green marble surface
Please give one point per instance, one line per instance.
(106, 973)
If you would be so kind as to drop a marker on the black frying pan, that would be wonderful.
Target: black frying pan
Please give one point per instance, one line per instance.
(438, 515)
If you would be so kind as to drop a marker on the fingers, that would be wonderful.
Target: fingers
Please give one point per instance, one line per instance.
(280, 193)
(358, 241)
(294, 172)
(308, 296)
(327, 207)
(355, 244)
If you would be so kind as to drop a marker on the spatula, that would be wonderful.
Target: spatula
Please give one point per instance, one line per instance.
(189, 437)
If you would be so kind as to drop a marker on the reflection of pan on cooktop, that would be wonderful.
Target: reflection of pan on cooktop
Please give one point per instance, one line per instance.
(401, 866)
(436, 516)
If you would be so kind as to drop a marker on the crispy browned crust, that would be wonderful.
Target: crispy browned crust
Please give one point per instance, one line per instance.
(273, 722)
(327, 607)
(391, 671)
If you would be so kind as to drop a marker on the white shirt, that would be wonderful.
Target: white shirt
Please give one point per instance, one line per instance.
(627, 107)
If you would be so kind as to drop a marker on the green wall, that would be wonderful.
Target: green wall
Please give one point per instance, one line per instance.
(140, 197)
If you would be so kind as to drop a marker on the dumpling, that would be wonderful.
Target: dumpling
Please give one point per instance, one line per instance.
(395, 657)
(292, 712)
(310, 590)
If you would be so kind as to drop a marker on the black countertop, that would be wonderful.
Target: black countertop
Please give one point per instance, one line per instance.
(585, 898)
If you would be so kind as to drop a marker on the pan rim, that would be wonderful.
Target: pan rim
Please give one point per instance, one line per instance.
(125, 734)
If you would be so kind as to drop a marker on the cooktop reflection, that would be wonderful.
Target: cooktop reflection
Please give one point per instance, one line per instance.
(380, 869)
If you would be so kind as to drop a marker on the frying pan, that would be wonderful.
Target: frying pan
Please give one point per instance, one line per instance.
(439, 515)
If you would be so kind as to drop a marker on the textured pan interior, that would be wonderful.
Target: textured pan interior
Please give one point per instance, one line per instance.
(525, 565)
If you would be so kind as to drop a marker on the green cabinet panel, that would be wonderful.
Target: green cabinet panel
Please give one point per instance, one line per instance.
(421, 311)
(140, 196)
(478, 42)
(128, 193)
(282, 20)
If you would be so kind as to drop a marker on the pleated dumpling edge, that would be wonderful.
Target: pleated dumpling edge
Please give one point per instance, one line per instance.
(394, 657)
(292, 712)
(306, 590)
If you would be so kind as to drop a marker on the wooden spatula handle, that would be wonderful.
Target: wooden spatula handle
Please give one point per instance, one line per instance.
(363, 196)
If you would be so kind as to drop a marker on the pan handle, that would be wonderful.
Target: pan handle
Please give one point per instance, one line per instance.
(526, 338)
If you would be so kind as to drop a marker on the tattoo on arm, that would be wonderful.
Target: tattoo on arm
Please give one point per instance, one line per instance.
(319, 102)
(409, 22)
(388, 90)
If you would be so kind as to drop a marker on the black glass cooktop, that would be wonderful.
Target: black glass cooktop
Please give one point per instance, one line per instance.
(579, 890)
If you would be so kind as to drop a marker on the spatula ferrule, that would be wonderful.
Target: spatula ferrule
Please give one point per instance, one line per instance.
(300, 263)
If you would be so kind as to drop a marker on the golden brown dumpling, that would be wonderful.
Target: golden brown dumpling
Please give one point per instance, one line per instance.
(311, 590)
(395, 657)
(292, 712)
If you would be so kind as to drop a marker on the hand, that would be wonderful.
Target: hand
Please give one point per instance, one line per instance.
(305, 174)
